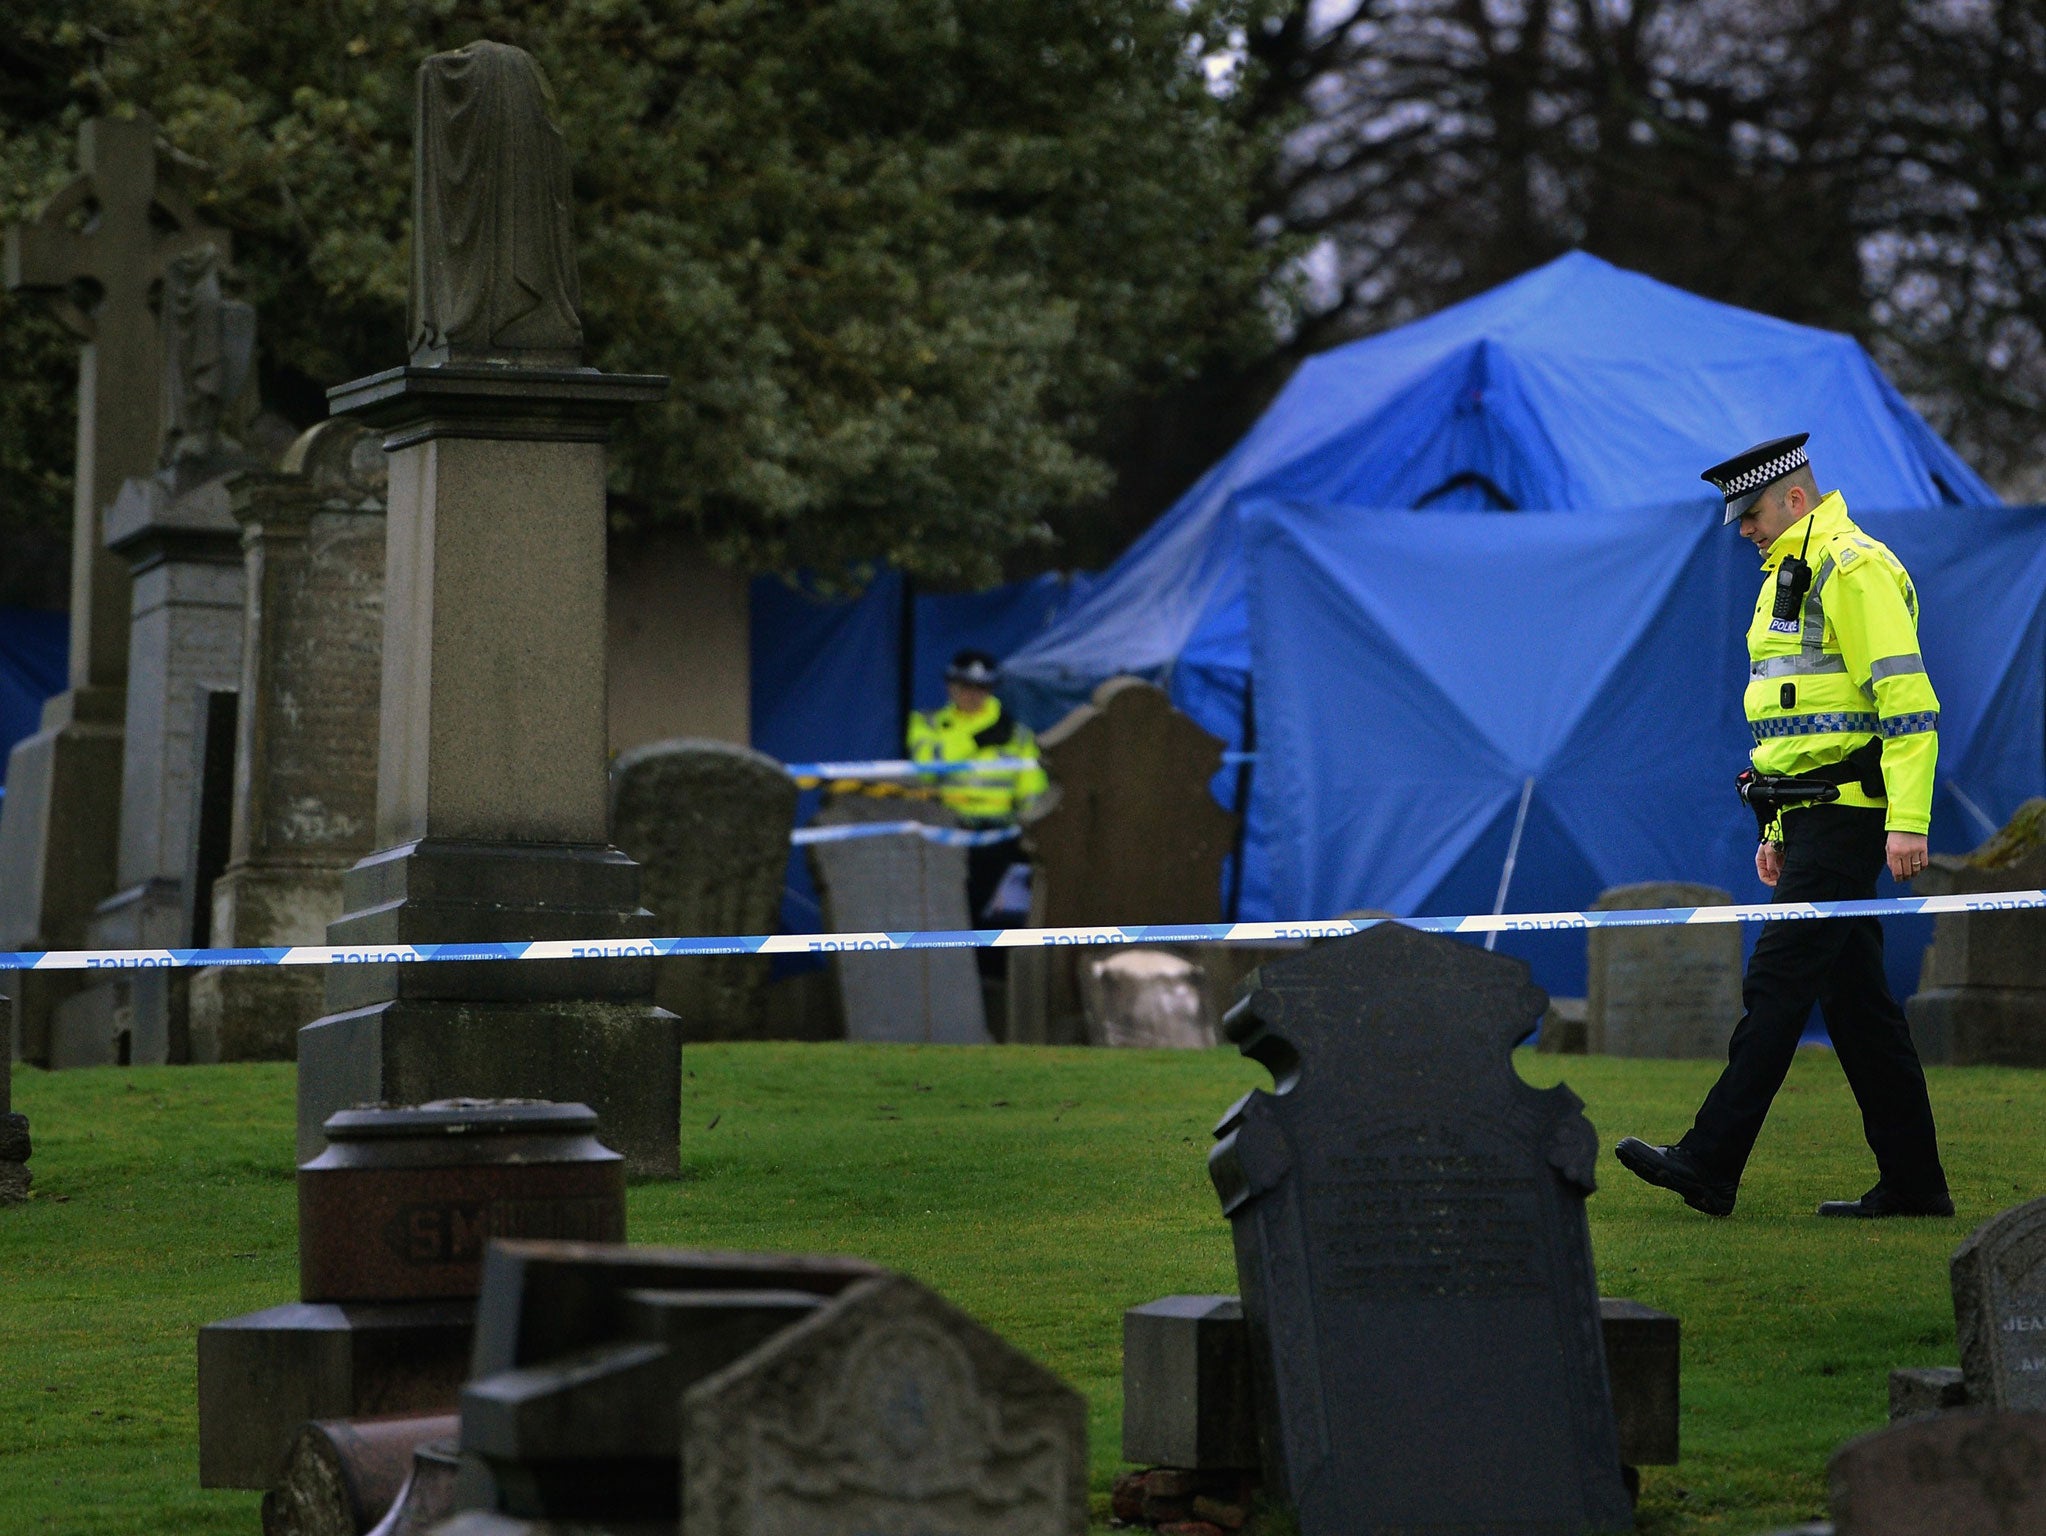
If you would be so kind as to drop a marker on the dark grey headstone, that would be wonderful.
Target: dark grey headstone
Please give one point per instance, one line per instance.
(896, 883)
(1673, 990)
(1412, 1248)
(708, 824)
(1975, 1472)
(889, 1410)
(1999, 1283)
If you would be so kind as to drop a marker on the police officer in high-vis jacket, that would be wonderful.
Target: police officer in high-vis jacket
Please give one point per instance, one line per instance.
(1845, 726)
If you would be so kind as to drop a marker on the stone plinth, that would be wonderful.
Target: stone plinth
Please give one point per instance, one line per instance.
(184, 552)
(305, 755)
(491, 808)
(1668, 991)
(708, 824)
(1982, 993)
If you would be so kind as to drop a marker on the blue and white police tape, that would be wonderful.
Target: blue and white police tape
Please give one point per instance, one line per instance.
(948, 837)
(902, 768)
(1013, 938)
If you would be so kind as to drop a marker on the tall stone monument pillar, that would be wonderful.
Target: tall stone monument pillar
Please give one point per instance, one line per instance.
(177, 531)
(491, 774)
(96, 251)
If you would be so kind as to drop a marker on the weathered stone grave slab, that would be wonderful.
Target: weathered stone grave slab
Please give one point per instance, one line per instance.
(887, 1410)
(1412, 1248)
(305, 757)
(1975, 1472)
(1128, 833)
(1146, 998)
(896, 883)
(708, 824)
(1982, 994)
(1664, 991)
(96, 253)
(1999, 1285)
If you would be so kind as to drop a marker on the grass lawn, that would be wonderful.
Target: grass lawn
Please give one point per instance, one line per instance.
(1044, 1190)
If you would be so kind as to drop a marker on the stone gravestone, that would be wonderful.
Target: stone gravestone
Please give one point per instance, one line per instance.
(1982, 997)
(14, 1141)
(1663, 991)
(1999, 1285)
(887, 1410)
(1412, 1248)
(491, 814)
(1146, 997)
(304, 759)
(894, 883)
(176, 530)
(1971, 1473)
(708, 824)
(1128, 833)
(96, 252)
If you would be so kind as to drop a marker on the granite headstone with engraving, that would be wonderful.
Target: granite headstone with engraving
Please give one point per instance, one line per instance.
(1128, 833)
(1982, 994)
(1412, 1248)
(1974, 1472)
(887, 1410)
(1672, 991)
(895, 883)
(708, 824)
(312, 537)
(1999, 1286)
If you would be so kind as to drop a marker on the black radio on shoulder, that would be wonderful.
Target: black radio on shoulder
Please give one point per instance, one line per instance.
(1793, 580)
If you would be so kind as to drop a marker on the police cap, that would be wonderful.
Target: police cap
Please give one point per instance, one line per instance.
(976, 669)
(1743, 478)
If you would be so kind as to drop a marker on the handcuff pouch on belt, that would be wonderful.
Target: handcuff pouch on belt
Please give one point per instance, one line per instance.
(1768, 795)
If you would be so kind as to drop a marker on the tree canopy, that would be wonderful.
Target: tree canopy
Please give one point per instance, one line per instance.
(900, 256)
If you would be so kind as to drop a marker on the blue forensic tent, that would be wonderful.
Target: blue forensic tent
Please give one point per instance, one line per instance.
(1442, 699)
(34, 646)
(1576, 386)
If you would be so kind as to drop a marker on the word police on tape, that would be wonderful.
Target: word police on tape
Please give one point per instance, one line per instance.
(1012, 938)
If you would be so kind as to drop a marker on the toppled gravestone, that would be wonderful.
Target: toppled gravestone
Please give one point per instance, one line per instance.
(1982, 992)
(1412, 1250)
(393, 1219)
(1672, 990)
(708, 824)
(630, 1389)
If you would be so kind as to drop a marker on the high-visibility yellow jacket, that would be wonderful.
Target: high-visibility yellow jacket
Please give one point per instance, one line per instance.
(1847, 670)
(947, 735)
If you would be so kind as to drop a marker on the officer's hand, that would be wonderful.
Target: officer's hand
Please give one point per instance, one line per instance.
(1907, 854)
(1769, 862)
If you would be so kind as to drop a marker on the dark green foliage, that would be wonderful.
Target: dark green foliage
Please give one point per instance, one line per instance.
(899, 255)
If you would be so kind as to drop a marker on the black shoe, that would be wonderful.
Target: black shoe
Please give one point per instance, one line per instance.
(1879, 1202)
(1674, 1168)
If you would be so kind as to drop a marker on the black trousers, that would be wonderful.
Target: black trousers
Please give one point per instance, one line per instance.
(1830, 853)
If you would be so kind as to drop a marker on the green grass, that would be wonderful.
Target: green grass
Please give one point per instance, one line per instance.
(1043, 1190)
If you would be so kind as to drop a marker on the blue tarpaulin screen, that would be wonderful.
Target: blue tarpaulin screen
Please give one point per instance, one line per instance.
(34, 646)
(1425, 683)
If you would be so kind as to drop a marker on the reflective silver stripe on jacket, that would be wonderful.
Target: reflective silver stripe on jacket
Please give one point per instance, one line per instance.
(1815, 611)
(1800, 665)
(1895, 666)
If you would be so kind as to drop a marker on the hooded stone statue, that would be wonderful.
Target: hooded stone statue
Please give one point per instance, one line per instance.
(209, 356)
(493, 262)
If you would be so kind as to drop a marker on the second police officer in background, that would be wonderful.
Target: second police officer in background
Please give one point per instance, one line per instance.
(1845, 727)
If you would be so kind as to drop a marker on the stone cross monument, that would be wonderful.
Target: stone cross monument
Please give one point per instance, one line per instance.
(95, 252)
(491, 771)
